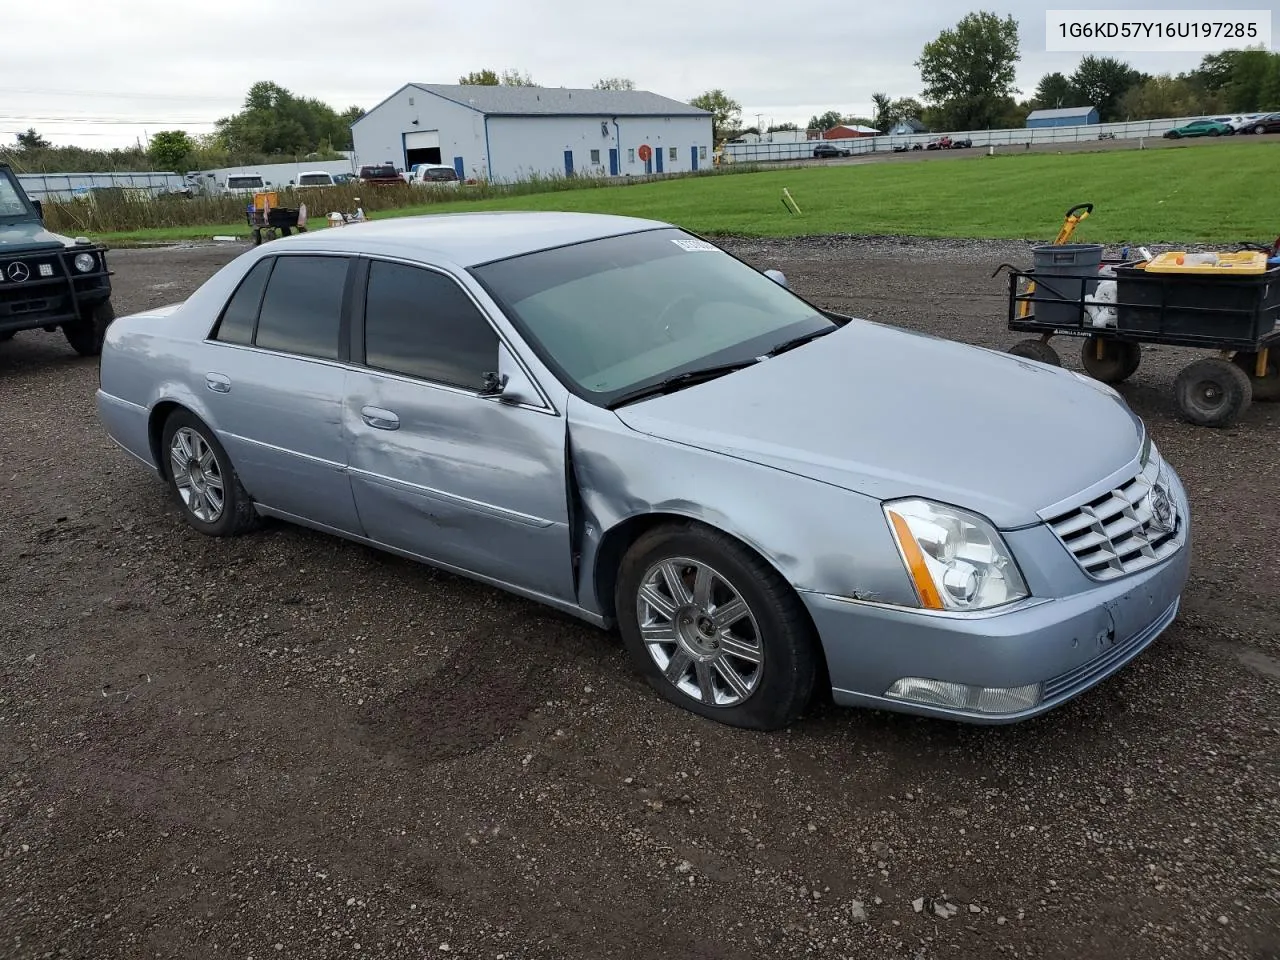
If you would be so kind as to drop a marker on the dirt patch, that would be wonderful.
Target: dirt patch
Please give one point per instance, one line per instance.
(286, 745)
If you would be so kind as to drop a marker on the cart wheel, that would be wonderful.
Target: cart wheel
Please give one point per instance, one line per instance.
(1036, 350)
(1212, 392)
(1265, 388)
(257, 237)
(1120, 358)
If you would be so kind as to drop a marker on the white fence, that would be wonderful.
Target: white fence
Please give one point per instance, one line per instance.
(1133, 130)
(64, 186)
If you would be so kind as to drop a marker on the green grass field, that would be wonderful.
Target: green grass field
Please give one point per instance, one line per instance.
(1222, 193)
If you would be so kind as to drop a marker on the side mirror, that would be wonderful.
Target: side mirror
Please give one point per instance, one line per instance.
(777, 277)
(509, 383)
(39, 209)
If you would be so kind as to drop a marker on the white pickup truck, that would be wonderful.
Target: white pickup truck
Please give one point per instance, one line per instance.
(314, 178)
(245, 183)
(434, 175)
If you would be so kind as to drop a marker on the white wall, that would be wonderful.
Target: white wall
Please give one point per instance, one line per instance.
(521, 147)
(378, 135)
(1014, 137)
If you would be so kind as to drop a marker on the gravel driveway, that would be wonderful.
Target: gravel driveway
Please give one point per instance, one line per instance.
(289, 746)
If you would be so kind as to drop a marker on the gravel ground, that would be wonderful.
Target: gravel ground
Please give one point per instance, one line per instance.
(289, 746)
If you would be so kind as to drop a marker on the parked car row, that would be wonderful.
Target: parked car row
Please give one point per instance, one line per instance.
(1227, 126)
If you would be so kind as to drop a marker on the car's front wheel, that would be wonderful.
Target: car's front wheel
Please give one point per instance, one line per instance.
(202, 480)
(87, 334)
(715, 629)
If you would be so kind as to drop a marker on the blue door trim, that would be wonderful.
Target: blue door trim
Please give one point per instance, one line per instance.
(613, 161)
(458, 167)
(693, 159)
(568, 163)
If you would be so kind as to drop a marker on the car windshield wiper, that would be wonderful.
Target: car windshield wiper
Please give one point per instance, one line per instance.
(804, 338)
(680, 380)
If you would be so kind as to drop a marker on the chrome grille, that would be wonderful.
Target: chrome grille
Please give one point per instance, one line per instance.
(1118, 533)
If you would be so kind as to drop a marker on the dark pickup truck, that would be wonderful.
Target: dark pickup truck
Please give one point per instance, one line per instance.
(48, 281)
(381, 174)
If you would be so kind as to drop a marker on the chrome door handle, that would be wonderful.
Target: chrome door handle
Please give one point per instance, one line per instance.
(217, 382)
(380, 419)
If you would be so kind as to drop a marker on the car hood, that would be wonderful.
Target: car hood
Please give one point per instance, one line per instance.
(890, 413)
(30, 235)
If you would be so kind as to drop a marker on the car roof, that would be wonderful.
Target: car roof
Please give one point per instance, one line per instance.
(468, 239)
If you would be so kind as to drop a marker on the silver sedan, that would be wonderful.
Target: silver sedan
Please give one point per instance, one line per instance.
(621, 420)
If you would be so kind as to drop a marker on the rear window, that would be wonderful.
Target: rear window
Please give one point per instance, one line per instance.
(237, 183)
(387, 171)
(315, 180)
(441, 173)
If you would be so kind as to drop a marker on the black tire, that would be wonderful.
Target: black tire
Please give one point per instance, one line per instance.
(237, 515)
(1212, 392)
(1265, 389)
(86, 334)
(6, 335)
(1259, 129)
(1215, 133)
(1120, 358)
(1036, 350)
(787, 672)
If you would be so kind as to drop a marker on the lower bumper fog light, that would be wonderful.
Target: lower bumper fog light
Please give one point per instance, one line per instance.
(962, 696)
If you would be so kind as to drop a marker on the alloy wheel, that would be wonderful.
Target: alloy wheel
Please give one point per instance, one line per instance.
(197, 475)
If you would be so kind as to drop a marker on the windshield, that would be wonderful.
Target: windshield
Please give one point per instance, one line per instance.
(612, 315)
(12, 203)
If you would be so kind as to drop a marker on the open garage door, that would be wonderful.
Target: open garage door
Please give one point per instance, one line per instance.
(423, 147)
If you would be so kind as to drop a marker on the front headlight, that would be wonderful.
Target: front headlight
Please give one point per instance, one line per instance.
(956, 559)
(85, 262)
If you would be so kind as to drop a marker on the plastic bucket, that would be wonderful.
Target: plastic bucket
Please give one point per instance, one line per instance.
(1064, 272)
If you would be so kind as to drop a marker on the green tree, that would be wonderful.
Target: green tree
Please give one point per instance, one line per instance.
(171, 150)
(31, 140)
(614, 83)
(775, 128)
(1102, 82)
(277, 122)
(882, 104)
(480, 78)
(726, 113)
(825, 121)
(1269, 96)
(1166, 96)
(514, 78)
(968, 71)
(1248, 77)
(1054, 90)
(905, 108)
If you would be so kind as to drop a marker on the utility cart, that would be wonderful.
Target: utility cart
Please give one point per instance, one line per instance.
(1226, 302)
(268, 220)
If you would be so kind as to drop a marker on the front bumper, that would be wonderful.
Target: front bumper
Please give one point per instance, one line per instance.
(1065, 644)
(51, 291)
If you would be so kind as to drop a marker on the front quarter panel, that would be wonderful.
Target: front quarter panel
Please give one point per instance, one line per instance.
(819, 537)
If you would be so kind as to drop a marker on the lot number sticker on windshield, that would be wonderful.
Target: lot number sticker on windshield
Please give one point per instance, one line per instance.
(692, 243)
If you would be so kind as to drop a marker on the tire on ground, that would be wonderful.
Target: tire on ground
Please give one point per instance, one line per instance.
(86, 334)
(790, 647)
(238, 515)
(1036, 350)
(1119, 361)
(1212, 392)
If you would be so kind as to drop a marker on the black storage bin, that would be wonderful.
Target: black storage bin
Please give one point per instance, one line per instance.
(282, 217)
(1197, 305)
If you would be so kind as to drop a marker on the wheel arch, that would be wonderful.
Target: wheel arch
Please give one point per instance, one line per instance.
(618, 539)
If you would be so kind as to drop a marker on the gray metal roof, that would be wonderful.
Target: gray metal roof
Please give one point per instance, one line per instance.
(1060, 112)
(558, 100)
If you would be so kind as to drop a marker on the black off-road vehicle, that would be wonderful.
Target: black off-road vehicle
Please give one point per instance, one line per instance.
(48, 281)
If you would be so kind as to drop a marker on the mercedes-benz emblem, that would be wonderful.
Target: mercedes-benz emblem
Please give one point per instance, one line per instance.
(19, 272)
(1163, 517)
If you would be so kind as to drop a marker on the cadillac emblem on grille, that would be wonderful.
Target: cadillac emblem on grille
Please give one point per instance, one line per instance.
(19, 272)
(1163, 517)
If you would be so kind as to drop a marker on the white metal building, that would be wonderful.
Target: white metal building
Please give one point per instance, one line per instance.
(511, 133)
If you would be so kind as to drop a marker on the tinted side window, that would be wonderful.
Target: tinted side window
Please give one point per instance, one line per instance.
(303, 306)
(423, 324)
(236, 323)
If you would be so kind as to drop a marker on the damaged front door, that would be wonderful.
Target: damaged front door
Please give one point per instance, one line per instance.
(438, 468)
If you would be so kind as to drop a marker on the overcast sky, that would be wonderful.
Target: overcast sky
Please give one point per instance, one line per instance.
(168, 65)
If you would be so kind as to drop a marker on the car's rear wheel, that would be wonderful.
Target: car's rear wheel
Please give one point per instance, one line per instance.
(1259, 129)
(715, 629)
(202, 480)
(87, 334)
